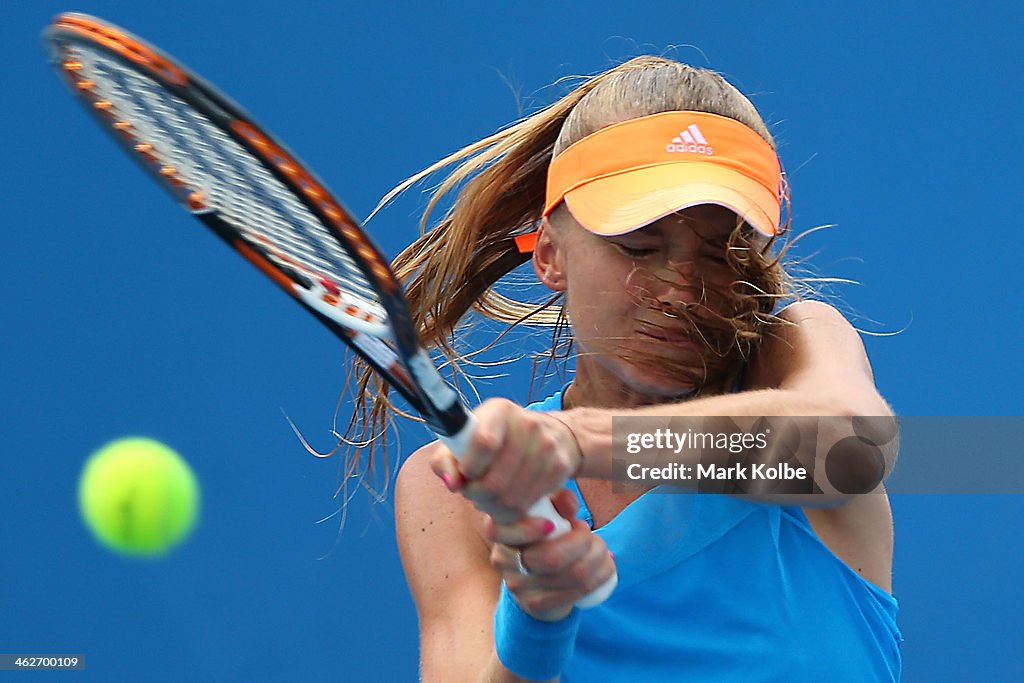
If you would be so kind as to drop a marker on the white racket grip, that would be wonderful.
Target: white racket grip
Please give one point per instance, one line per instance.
(458, 443)
(543, 508)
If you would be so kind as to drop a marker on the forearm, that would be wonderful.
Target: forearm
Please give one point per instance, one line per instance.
(593, 428)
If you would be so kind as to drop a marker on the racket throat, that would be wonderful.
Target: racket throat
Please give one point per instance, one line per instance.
(449, 414)
(346, 310)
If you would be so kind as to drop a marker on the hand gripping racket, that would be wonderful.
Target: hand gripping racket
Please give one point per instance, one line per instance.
(245, 186)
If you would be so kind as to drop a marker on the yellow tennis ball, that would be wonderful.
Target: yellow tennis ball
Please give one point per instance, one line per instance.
(138, 496)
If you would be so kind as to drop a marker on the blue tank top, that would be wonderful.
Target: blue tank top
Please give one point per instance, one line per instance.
(713, 588)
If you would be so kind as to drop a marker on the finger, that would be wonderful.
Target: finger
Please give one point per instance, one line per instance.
(553, 556)
(581, 573)
(532, 469)
(540, 473)
(591, 571)
(557, 461)
(490, 435)
(511, 563)
(446, 467)
(546, 605)
(510, 466)
(566, 503)
(546, 595)
(521, 532)
(487, 502)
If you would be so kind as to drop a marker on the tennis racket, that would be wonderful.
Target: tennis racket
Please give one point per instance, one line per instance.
(254, 194)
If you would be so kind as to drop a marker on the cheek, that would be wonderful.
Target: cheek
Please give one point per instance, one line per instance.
(605, 311)
(606, 285)
(600, 294)
(721, 283)
(718, 280)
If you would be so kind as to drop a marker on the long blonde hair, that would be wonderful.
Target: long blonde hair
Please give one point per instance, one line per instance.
(499, 186)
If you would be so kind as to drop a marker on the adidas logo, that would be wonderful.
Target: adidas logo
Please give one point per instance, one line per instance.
(690, 140)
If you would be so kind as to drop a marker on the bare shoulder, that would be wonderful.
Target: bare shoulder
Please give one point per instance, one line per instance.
(430, 517)
(812, 308)
(814, 348)
(819, 332)
(446, 564)
(417, 486)
(439, 535)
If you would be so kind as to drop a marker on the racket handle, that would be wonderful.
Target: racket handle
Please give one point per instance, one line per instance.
(543, 508)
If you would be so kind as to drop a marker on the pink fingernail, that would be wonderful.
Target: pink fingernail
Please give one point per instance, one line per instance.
(447, 479)
(549, 526)
(611, 555)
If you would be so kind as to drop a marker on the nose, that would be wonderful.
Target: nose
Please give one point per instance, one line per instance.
(676, 284)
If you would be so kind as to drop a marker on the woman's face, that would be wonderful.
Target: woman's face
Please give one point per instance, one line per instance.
(627, 297)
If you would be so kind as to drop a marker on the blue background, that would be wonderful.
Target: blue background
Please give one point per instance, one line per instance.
(123, 316)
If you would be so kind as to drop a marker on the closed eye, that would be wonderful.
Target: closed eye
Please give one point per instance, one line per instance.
(635, 252)
(717, 257)
(716, 253)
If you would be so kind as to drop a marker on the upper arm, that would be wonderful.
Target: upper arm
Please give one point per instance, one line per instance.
(448, 571)
(818, 350)
(815, 349)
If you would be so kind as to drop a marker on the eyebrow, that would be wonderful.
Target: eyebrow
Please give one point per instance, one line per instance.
(701, 228)
(651, 230)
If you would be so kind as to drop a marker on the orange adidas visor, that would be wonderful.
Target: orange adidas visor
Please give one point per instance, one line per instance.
(630, 174)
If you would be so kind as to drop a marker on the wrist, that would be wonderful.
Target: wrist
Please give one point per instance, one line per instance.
(577, 467)
(529, 647)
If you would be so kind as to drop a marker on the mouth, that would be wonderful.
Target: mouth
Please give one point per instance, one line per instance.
(667, 337)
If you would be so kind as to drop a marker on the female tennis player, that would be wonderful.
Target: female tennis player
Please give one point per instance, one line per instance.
(649, 199)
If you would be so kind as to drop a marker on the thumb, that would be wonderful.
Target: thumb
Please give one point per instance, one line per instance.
(566, 503)
(446, 467)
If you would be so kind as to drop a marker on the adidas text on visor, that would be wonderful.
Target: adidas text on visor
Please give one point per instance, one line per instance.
(630, 174)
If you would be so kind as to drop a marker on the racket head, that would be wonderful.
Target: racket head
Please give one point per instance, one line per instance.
(219, 164)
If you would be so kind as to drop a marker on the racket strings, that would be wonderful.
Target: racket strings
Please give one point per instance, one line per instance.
(210, 172)
(200, 160)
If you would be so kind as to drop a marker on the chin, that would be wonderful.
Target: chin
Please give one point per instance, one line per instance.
(660, 387)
